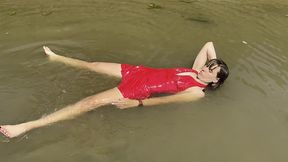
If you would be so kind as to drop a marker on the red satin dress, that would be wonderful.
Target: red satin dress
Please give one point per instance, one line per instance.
(140, 82)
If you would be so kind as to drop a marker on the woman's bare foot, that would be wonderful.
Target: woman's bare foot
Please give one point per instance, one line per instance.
(12, 131)
(51, 54)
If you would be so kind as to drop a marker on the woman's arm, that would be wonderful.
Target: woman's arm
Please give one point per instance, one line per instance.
(181, 97)
(206, 53)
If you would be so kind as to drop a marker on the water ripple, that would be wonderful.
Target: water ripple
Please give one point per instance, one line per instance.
(265, 68)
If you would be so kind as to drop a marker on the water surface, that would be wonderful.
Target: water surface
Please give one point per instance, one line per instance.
(245, 120)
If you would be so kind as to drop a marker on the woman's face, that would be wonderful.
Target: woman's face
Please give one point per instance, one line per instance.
(209, 75)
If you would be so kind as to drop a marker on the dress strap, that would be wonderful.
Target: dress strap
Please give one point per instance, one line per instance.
(194, 71)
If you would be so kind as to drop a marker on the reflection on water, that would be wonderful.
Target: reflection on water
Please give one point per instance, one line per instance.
(246, 119)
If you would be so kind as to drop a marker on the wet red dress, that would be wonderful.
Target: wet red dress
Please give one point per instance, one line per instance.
(140, 82)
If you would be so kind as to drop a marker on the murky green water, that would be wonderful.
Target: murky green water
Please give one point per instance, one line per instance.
(244, 121)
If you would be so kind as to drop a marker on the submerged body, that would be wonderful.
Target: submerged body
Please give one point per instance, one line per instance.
(137, 85)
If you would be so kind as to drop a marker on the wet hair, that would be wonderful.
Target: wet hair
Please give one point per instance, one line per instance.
(222, 74)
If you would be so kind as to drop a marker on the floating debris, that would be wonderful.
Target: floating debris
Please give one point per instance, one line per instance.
(154, 6)
(12, 13)
(244, 42)
(286, 15)
(184, 1)
(46, 13)
(7, 33)
(187, 1)
(198, 19)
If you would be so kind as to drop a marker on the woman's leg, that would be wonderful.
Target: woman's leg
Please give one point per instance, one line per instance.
(67, 112)
(112, 69)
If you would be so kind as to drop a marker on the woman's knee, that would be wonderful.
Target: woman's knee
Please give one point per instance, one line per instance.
(101, 99)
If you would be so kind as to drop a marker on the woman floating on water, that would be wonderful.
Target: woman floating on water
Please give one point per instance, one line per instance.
(137, 85)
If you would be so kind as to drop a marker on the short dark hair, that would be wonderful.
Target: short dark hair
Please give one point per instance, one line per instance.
(222, 74)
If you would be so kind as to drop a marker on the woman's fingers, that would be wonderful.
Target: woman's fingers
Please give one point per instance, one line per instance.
(117, 102)
(123, 103)
(120, 104)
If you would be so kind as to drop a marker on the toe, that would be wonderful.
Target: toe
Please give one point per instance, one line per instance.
(4, 132)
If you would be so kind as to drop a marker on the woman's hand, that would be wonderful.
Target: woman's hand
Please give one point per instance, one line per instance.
(206, 53)
(125, 103)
